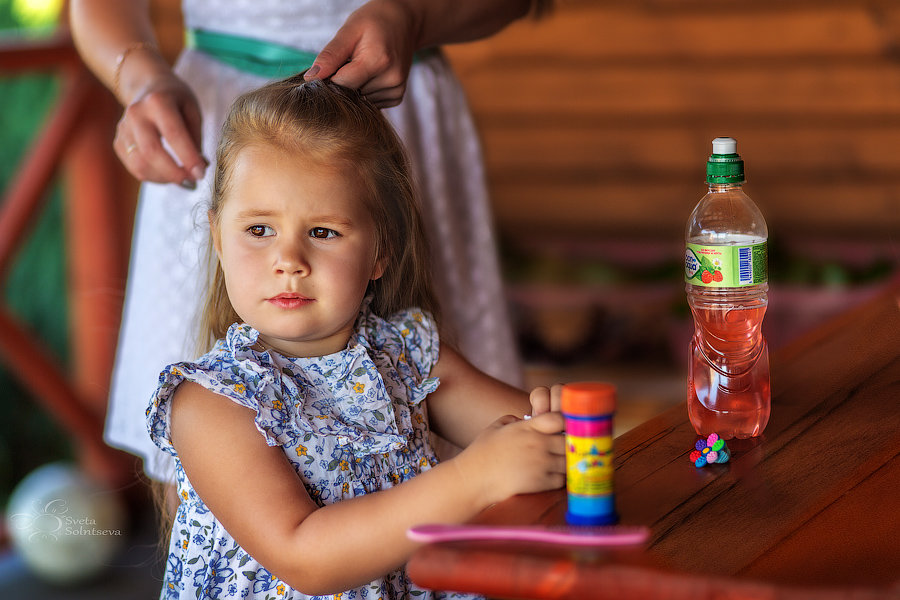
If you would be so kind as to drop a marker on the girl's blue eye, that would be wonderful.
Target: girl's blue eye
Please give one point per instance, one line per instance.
(260, 230)
(322, 233)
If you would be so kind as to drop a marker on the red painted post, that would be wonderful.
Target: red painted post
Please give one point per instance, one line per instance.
(100, 202)
(97, 250)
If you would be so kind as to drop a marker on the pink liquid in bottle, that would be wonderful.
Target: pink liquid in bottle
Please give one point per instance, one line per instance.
(728, 378)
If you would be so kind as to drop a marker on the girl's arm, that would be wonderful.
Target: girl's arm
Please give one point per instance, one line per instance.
(255, 493)
(115, 39)
(469, 400)
(373, 50)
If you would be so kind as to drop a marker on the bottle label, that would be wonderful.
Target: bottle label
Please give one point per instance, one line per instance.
(589, 465)
(726, 266)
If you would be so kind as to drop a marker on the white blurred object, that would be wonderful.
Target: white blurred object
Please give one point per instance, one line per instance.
(66, 527)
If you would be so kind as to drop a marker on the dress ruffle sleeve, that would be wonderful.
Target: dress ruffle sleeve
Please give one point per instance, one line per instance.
(410, 338)
(255, 386)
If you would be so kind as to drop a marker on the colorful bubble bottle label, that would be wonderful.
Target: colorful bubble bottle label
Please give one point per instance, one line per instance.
(589, 468)
(588, 408)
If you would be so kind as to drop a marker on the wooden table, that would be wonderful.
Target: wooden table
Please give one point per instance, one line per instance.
(810, 511)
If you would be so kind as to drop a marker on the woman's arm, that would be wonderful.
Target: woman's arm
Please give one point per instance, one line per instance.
(373, 50)
(115, 39)
(454, 21)
(104, 29)
(255, 493)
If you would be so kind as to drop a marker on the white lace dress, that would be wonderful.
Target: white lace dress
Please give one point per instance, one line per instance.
(165, 276)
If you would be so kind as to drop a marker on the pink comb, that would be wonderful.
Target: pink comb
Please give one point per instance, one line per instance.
(613, 535)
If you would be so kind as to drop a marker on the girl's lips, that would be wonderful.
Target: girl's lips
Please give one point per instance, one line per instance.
(290, 300)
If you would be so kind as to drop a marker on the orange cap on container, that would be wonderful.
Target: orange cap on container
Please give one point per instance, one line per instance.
(588, 398)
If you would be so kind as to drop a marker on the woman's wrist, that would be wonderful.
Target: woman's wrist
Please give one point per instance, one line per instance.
(409, 18)
(135, 66)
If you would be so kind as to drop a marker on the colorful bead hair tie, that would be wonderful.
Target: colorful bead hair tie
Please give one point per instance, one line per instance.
(710, 450)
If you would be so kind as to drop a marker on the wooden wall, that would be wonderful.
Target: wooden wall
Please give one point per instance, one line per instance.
(599, 118)
(597, 122)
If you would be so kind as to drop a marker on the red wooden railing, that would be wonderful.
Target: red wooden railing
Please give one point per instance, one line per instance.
(76, 139)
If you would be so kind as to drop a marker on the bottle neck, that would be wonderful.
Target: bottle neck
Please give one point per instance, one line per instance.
(724, 187)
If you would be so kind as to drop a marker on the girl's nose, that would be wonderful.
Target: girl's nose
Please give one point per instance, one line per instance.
(291, 259)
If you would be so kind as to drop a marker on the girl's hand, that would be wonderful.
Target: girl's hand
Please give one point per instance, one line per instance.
(545, 399)
(515, 456)
(164, 108)
(372, 52)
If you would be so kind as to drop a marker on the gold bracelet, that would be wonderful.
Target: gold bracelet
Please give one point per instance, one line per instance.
(120, 60)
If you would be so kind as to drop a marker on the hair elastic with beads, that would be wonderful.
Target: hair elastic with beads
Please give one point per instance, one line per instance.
(710, 450)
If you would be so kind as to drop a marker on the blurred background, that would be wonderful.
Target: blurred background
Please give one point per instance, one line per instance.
(596, 123)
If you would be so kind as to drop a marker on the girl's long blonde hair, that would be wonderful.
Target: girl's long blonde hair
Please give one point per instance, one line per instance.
(320, 122)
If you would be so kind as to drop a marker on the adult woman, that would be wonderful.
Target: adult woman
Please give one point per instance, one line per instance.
(172, 119)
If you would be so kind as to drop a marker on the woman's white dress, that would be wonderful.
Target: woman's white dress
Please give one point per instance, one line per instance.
(165, 281)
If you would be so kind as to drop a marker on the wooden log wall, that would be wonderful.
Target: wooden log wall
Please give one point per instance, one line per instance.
(599, 118)
(596, 123)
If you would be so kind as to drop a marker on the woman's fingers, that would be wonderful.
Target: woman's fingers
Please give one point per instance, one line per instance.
(372, 52)
(386, 97)
(191, 155)
(146, 158)
(158, 140)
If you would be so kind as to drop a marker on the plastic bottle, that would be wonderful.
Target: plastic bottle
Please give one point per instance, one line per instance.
(588, 409)
(726, 278)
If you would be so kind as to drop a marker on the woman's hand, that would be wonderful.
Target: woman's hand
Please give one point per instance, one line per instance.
(116, 40)
(374, 49)
(515, 456)
(164, 111)
(371, 52)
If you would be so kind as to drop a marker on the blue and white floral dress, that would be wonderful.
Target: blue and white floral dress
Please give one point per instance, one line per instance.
(351, 423)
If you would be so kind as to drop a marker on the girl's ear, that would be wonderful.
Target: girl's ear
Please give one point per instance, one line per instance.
(378, 269)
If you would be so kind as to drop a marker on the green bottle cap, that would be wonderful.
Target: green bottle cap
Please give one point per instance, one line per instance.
(725, 164)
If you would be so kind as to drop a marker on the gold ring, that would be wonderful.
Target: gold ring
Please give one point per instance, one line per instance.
(131, 148)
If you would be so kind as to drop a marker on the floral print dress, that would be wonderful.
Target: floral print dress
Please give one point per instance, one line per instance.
(350, 423)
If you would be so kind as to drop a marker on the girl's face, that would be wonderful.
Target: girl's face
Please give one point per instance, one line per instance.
(297, 247)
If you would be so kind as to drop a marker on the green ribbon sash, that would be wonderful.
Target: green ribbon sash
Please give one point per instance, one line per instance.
(259, 57)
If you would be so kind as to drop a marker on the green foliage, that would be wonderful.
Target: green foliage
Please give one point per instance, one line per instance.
(7, 21)
(30, 16)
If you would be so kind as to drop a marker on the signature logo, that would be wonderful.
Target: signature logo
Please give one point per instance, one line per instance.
(45, 522)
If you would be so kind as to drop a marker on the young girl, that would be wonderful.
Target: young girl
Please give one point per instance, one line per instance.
(302, 439)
